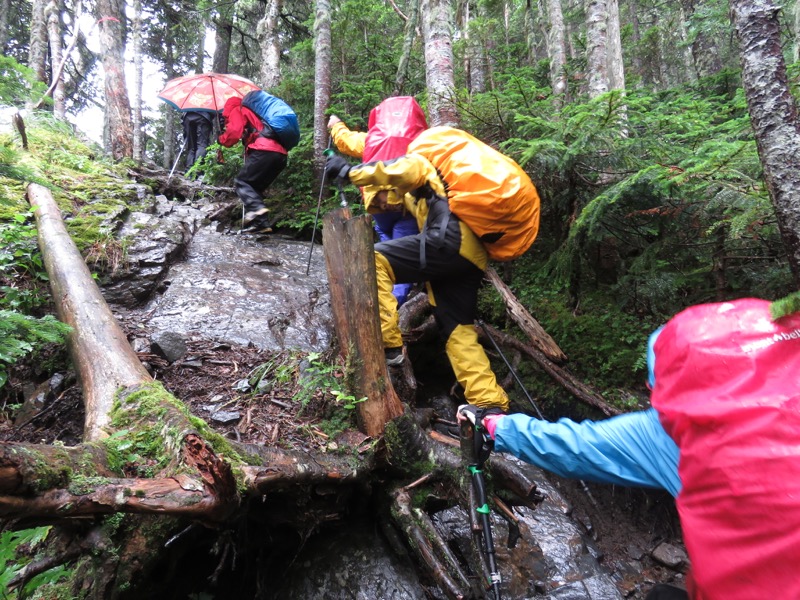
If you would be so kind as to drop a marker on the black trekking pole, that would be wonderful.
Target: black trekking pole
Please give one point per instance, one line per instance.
(326, 153)
(482, 325)
(476, 450)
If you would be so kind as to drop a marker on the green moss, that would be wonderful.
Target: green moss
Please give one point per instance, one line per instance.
(146, 441)
(80, 484)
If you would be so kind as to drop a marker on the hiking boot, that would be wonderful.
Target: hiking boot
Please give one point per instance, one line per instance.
(250, 216)
(394, 356)
(259, 226)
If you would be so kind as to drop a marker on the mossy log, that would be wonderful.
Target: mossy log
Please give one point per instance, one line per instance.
(103, 358)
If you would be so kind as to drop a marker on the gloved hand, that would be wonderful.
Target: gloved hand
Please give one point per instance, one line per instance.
(476, 442)
(469, 412)
(336, 167)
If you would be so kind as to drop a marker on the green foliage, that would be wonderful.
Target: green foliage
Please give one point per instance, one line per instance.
(20, 263)
(17, 550)
(21, 335)
(18, 83)
(665, 194)
(785, 306)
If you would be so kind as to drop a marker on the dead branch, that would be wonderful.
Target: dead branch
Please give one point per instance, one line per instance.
(539, 337)
(432, 551)
(577, 388)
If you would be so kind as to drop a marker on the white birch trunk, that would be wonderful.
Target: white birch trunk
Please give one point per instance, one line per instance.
(270, 46)
(596, 47)
(556, 46)
(773, 112)
(437, 31)
(55, 33)
(616, 65)
(322, 75)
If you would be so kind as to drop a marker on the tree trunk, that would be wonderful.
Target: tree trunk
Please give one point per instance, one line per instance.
(5, 11)
(322, 76)
(437, 33)
(168, 156)
(354, 299)
(556, 47)
(705, 50)
(410, 33)
(596, 47)
(138, 78)
(268, 36)
(222, 38)
(773, 112)
(55, 37)
(111, 15)
(531, 39)
(37, 50)
(616, 64)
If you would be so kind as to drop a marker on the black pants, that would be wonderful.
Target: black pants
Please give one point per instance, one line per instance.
(454, 280)
(197, 133)
(261, 168)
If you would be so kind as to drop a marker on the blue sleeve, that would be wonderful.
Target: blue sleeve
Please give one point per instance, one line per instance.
(630, 449)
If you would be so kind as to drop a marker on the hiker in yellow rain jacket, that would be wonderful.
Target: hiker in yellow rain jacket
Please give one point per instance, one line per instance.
(449, 179)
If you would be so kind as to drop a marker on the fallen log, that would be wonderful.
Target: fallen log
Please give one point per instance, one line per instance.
(573, 385)
(103, 358)
(538, 336)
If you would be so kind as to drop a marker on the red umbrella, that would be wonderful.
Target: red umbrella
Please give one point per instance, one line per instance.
(204, 91)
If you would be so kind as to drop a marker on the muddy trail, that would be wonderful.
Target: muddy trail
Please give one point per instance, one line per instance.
(233, 324)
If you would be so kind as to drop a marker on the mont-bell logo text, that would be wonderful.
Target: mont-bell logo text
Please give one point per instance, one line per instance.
(783, 336)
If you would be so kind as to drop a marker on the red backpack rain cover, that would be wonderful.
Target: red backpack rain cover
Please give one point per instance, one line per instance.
(393, 124)
(727, 390)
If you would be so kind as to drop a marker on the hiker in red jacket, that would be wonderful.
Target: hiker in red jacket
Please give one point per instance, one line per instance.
(723, 436)
(264, 159)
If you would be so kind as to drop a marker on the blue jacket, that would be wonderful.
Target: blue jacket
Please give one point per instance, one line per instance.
(629, 449)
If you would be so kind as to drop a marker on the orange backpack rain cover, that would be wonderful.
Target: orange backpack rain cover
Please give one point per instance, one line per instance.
(486, 189)
(727, 390)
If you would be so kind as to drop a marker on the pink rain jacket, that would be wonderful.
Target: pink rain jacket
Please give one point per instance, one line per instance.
(727, 390)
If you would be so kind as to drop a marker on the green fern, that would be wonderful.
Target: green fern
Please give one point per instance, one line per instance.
(20, 335)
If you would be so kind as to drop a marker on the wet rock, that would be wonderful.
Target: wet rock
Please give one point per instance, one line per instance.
(353, 562)
(218, 295)
(157, 241)
(226, 416)
(243, 385)
(34, 404)
(635, 552)
(140, 345)
(169, 345)
(669, 555)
